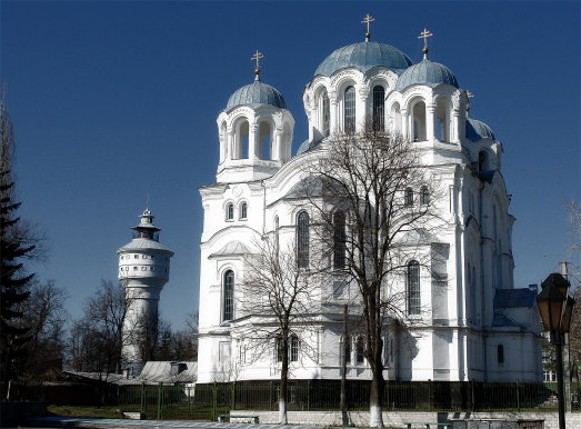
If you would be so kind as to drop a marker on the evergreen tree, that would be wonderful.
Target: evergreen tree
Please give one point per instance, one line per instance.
(14, 280)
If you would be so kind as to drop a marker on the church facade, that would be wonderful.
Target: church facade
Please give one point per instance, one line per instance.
(474, 324)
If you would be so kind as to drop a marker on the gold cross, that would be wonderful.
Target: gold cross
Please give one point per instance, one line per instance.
(424, 35)
(257, 57)
(367, 20)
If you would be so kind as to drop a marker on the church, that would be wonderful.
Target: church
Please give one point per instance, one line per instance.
(468, 323)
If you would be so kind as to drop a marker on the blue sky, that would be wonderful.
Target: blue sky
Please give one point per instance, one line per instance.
(114, 104)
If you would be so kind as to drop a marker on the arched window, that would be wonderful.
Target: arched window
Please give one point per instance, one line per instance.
(424, 196)
(264, 150)
(241, 139)
(419, 121)
(378, 110)
(360, 350)
(325, 113)
(243, 211)
(228, 302)
(230, 211)
(482, 161)
(339, 244)
(408, 197)
(294, 348)
(413, 286)
(500, 354)
(442, 128)
(346, 348)
(349, 110)
(276, 235)
(303, 240)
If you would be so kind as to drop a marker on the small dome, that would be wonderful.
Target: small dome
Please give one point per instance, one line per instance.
(257, 93)
(364, 56)
(477, 130)
(428, 73)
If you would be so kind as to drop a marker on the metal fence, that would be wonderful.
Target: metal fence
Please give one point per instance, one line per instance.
(208, 401)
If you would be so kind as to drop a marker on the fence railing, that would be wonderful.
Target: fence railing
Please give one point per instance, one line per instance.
(208, 401)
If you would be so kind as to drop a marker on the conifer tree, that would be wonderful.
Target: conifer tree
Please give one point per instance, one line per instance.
(14, 280)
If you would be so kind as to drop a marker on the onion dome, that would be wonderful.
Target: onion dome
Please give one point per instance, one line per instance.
(257, 93)
(428, 73)
(364, 56)
(477, 130)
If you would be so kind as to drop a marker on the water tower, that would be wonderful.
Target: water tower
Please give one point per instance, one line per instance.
(143, 271)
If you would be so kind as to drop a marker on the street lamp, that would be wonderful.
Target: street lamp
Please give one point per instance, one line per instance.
(556, 308)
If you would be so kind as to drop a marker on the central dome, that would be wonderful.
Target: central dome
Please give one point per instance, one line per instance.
(364, 56)
(257, 93)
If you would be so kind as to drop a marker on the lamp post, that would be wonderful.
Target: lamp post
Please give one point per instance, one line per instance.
(556, 308)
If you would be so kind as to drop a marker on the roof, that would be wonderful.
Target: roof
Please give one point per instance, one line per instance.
(257, 93)
(169, 372)
(364, 56)
(153, 372)
(477, 130)
(514, 298)
(502, 320)
(234, 247)
(141, 244)
(428, 73)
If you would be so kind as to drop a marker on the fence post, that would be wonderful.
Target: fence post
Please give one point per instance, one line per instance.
(159, 400)
(214, 400)
(142, 399)
(270, 396)
(430, 394)
(518, 395)
(308, 395)
(472, 397)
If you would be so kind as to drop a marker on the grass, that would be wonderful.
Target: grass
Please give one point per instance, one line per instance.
(105, 412)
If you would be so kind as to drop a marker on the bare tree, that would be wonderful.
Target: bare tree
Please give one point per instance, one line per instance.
(96, 338)
(375, 200)
(45, 312)
(278, 295)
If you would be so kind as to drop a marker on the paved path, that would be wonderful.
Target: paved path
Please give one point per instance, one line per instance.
(76, 422)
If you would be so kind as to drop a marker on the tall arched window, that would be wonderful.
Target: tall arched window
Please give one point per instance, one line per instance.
(303, 240)
(413, 288)
(349, 111)
(228, 301)
(230, 211)
(325, 113)
(378, 110)
(243, 211)
(408, 197)
(294, 348)
(419, 121)
(360, 350)
(424, 196)
(339, 245)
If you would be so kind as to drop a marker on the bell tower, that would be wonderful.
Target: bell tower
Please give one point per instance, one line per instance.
(255, 132)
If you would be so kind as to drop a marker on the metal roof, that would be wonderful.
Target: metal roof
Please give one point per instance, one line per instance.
(426, 72)
(364, 56)
(142, 244)
(477, 130)
(514, 298)
(257, 93)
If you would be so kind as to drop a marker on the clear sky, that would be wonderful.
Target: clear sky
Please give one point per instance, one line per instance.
(114, 105)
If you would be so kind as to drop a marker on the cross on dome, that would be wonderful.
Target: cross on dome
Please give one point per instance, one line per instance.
(424, 35)
(469, 95)
(368, 19)
(257, 56)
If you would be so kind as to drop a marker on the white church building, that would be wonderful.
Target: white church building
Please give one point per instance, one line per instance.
(476, 326)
